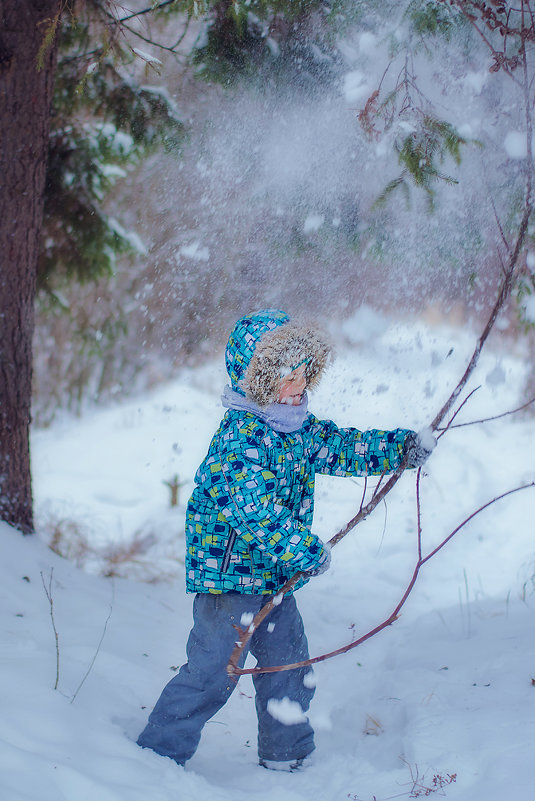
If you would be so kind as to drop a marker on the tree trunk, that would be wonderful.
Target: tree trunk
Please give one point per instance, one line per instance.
(25, 102)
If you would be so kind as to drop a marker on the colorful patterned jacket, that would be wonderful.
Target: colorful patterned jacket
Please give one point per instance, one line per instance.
(248, 521)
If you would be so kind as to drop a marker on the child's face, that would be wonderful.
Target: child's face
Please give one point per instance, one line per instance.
(292, 386)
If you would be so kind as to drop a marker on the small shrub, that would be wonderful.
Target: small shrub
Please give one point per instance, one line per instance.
(144, 557)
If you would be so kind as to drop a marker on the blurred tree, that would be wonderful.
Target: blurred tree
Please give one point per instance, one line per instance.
(26, 100)
(288, 42)
(70, 117)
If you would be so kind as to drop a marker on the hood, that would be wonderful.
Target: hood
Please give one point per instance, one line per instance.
(266, 345)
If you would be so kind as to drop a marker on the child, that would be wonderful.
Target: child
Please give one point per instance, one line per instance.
(248, 530)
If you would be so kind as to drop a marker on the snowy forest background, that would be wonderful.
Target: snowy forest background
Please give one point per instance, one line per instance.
(267, 194)
(364, 164)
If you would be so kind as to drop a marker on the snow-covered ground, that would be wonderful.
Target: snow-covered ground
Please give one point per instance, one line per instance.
(448, 690)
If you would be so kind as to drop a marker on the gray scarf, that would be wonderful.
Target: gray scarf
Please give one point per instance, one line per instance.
(280, 417)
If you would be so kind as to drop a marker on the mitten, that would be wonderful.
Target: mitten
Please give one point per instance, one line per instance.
(419, 447)
(324, 564)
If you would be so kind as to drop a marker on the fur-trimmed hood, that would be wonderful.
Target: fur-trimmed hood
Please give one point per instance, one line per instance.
(265, 346)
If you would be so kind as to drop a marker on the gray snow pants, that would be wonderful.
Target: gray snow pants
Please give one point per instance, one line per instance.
(202, 685)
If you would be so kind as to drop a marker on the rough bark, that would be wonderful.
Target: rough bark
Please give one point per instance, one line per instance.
(25, 102)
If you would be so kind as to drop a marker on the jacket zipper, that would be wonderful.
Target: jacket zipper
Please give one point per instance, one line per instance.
(228, 551)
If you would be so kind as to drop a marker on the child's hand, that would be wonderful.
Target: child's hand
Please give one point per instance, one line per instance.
(419, 447)
(324, 564)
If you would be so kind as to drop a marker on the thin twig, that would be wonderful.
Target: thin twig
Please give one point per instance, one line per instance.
(183, 34)
(370, 506)
(378, 485)
(48, 593)
(88, 671)
(364, 491)
(153, 42)
(419, 513)
(150, 10)
(488, 419)
(500, 229)
(383, 532)
(449, 425)
(471, 517)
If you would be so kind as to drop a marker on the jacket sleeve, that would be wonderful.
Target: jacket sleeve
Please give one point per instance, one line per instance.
(244, 491)
(350, 452)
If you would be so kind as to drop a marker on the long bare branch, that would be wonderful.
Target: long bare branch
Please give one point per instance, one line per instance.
(422, 560)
